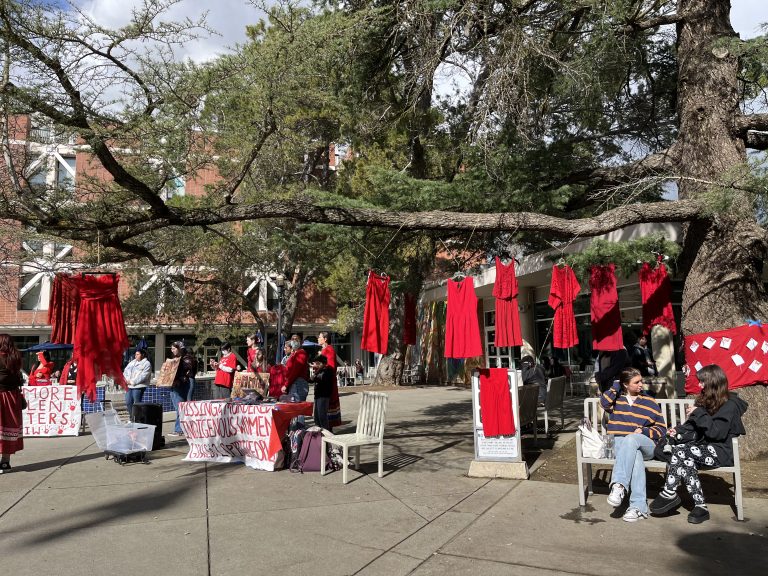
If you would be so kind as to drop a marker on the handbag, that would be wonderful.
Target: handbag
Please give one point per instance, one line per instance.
(591, 441)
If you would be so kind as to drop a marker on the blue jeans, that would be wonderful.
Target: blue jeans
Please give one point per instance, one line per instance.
(629, 470)
(191, 391)
(132, 396)
(299, 390)
(179, 395)
(321, 413)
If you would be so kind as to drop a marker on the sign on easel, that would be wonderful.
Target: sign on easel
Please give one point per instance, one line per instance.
(498, 448)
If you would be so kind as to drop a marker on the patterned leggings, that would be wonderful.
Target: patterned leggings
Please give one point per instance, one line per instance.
(684, 465)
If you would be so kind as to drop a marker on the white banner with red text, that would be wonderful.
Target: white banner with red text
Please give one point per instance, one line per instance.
(51, 411)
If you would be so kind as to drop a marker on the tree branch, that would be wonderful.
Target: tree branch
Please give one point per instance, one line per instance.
(654, 22)
(652, 165)
(747, 123)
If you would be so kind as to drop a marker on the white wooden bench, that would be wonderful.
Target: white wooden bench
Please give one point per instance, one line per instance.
(674, 414)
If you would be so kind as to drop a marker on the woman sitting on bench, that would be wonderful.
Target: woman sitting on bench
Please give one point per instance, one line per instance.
(705, 439)
(637, 424)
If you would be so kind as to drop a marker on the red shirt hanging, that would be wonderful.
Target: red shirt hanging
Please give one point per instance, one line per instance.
(376, 316)
(409, 320)
(562, 293)
(604, 305)
(462, 331)
(507, 314)
(656, 293)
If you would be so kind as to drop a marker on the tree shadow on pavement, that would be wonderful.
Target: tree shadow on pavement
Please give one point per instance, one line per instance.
(720, 552)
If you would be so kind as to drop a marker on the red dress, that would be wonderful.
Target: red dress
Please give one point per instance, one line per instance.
(409, 320)
(507, 314)
(562, 293)
(656, 293)
(376, 317)
(100, 336)
(334, 404)
(496, 403)
(604, 305)
(63, 308)
(462, 331)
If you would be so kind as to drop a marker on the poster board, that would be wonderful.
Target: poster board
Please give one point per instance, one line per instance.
(497, 449)
(249, 380)
(167, 373)
(51, 411)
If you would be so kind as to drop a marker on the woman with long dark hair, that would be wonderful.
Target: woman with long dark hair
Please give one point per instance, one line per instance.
(11, 402)
(713, 421)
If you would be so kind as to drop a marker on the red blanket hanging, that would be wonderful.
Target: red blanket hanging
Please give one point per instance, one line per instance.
(562, 293)
(100, 336)
(63, 308)
(376, 316)
(604, 306)
(505, 291)
(656, 293)
(462, 331)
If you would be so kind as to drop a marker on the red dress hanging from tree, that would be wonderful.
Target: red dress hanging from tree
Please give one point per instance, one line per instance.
(100, 336)
(376, 317)
(462, 331)
(656, 293)
(505, 291)
(562, 293)
(604, 306)
(63, 308)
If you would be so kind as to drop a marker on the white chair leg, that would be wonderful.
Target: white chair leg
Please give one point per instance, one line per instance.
(381, 459)
(357, 457)
(322, 457)
(346, 464)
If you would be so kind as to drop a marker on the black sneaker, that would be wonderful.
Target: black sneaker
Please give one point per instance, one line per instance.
(698, 515)
(5, 467)
(661, 505)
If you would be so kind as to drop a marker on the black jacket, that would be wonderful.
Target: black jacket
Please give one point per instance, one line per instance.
(719, 429)
(323, 381)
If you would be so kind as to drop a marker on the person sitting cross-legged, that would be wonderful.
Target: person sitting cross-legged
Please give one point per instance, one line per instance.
(636, 423)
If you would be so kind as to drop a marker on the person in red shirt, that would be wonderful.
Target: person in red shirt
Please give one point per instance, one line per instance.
(252, 342)
(41, 374)
(225, 371)
(297, 377)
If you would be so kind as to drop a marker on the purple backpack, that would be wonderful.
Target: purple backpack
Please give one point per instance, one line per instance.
(309, 454)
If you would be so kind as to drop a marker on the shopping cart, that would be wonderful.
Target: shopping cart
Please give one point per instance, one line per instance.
(124, 442)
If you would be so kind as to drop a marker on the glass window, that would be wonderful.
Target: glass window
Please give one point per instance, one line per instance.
(65, 179)
(31, 299)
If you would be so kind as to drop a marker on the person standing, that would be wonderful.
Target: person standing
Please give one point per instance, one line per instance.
(334, 404)
(297, 373)
(137, 375)
(11, 402)
(323, 378)
(641, 357)
(253, 345)
(41, 374)
(69, 373)
(191, 363)
(636, 424)
(225, 371)
(180, 387)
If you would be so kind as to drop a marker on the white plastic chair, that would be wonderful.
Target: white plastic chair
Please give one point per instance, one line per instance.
(370, 430)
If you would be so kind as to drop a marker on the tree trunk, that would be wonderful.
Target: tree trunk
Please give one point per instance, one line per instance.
(390, 369)
(724, 284)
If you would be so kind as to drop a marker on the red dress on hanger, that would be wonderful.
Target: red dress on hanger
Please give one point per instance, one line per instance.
(562, 293)
(409, 320)
(507, 313)
(63, 307)
(656, 293)
(376, 316)
(462, 331)
(100, 336)
(604, 305)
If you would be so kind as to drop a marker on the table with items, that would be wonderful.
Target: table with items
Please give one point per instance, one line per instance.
(226, 431)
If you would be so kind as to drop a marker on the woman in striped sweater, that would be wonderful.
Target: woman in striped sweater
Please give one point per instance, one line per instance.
(636, 422)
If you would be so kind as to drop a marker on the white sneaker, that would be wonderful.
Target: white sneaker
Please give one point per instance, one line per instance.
(633, 515)
(616, 497)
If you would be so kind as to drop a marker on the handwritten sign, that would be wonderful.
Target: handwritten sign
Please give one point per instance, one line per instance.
(51, 411)
(228, 432)
(167, 373)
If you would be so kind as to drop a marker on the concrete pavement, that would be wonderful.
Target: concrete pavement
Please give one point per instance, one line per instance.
(65, 510)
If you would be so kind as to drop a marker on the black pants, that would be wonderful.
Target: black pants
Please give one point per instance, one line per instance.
(683, 468)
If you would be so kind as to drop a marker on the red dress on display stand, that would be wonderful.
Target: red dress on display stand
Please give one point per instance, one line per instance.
(562, 293)
(496, 403)
(656, 293)
(507, 313)
(100, 336)
(604, 305)
(462, 331)
(376, 316)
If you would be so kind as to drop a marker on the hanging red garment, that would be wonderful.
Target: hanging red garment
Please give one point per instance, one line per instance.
(376, 316)
(656, 293)
(507, 313)
(63, 308)
(562, 293)
(100, 336)
(496, 403)
(462, 331)
(409, 320)
(604, 306)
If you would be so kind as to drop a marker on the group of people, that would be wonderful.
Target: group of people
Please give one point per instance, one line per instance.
(637, 426)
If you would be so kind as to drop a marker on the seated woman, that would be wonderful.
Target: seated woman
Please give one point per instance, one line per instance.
(715, 418)
(41, 374)
(637, 424)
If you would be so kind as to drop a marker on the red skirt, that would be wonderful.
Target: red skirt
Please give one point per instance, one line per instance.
(11, 438)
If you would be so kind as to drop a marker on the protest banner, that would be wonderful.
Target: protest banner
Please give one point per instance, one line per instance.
(51, 411)
(168, 373)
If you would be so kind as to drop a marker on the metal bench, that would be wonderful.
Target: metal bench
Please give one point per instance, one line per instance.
(674, 413)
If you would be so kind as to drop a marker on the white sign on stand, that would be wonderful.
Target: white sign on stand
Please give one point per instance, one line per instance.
(498, 448)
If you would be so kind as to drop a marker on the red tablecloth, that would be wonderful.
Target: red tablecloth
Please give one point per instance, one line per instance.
(282, 414)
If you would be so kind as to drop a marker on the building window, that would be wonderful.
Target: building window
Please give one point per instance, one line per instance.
(497, 357)
(65, 172)
(30, 289)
